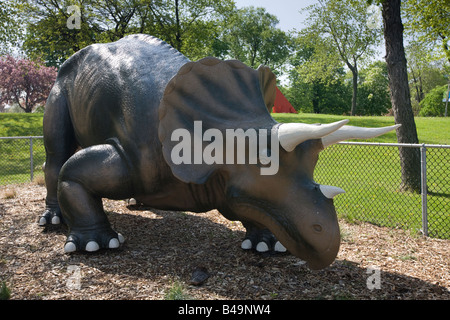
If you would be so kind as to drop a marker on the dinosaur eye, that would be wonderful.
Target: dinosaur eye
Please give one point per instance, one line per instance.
(317, 228)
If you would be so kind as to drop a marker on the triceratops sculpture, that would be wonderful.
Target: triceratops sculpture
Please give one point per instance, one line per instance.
(127, 104)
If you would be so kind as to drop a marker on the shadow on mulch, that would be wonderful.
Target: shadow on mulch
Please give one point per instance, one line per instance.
(175, 244)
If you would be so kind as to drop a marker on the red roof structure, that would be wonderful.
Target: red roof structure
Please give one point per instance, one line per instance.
(282, 105)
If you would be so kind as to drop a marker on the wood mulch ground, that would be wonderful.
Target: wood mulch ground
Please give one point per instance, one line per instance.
(163, 249)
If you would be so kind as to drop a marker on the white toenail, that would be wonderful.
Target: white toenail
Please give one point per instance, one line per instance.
(92, 246)
(70, 247)
(56, 220)
(279, 247)
(42, 221)
(113, 243)
(262, 247)
(246, 244)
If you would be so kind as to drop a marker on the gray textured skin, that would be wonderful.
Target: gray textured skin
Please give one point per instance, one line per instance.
(106, 100)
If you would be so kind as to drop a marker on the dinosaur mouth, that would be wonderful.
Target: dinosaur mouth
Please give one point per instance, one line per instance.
(288, 235)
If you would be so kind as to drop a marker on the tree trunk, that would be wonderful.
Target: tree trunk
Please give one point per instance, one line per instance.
(420, 89)
(315, 97)
(400, 95)
(418, 86)
(28, 107)
(178, 43)
(354, 69)
(446, 99)
(355, 89)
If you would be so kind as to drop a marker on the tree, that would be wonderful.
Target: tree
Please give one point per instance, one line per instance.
(400, 94)
(345, 22)
(428, 20)
(424, 72)
(317, 75)
(191, 26)
(25, 82)
(48, 35)
(252, 37)
(415, 54)
(373, 94)
(10, 26)
(433, 104)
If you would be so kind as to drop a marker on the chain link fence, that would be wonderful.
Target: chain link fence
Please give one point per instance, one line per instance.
(21, 159)
(370, 173)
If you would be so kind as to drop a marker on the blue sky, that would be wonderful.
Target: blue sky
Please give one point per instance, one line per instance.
(287, 11)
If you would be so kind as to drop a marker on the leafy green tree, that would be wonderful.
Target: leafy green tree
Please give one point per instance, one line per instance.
(373, 94)
(345, 22)
(191, 26)
(315, 57)
(424, 72)
(252, 37)
(415, 55)
(317, 76)
(429, 22)
(433, 104)
(48, 35)
(10, 26)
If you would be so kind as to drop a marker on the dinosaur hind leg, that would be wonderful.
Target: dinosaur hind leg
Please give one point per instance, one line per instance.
(60, 145)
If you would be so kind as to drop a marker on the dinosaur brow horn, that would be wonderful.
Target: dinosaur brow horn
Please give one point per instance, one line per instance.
(350, 132)
(291, 135)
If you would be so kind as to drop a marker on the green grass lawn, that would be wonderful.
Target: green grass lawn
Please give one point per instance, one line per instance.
(370, 175)
(20, 124)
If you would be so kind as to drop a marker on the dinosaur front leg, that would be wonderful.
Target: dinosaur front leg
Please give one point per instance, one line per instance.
(92, 174)
(260, 239)
(256, 236)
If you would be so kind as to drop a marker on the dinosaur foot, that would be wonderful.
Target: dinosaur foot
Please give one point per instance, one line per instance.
(92, 241)
(50, 216)
(262, 240)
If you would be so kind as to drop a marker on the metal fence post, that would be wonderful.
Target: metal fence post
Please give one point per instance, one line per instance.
(31, 159)
(423, 171)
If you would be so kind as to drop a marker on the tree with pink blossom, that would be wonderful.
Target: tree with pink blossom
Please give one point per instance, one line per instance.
(25, 82)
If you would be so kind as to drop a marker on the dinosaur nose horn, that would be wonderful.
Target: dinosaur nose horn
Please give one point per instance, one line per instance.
(330, 192)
